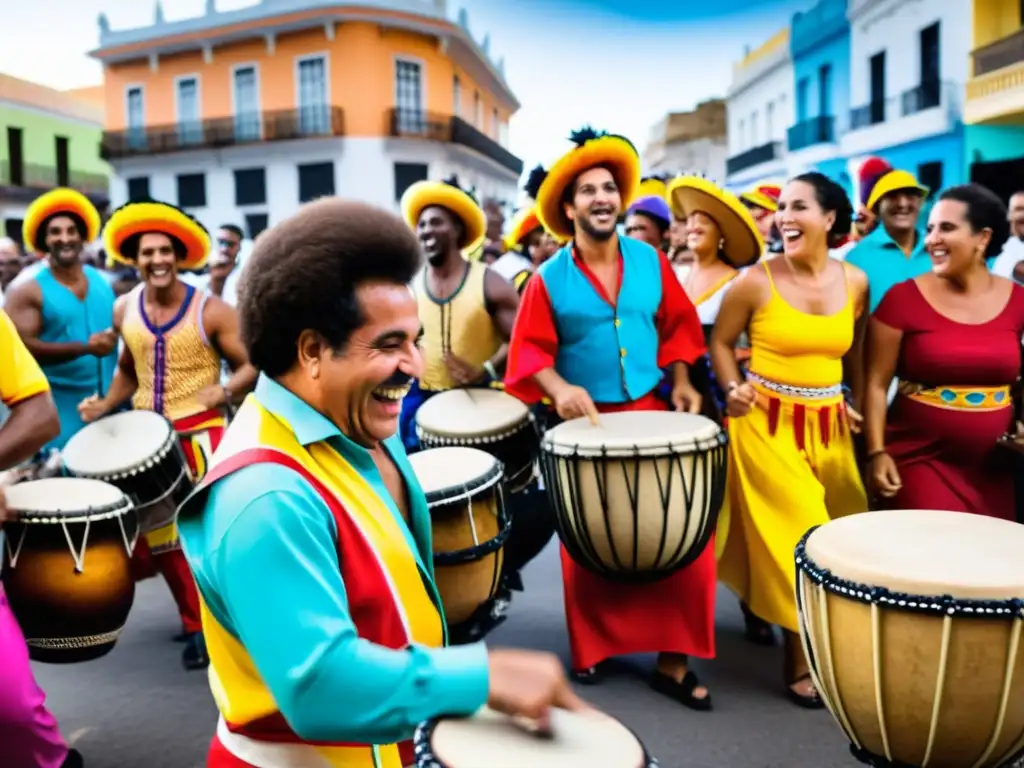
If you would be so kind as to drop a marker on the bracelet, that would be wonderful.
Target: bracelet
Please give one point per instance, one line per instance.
(489, 369)
(227, 395)
(875, 454)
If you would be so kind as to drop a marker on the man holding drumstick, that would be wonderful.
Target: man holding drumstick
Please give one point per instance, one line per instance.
(310, 538)
(29, 736)
(597, 325)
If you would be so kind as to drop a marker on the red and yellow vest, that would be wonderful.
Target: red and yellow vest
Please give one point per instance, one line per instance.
(389, 600)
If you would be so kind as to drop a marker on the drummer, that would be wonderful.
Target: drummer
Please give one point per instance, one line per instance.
(310, 538)
(29, 735)
(64, 312)
(175, 337)
(614, 364)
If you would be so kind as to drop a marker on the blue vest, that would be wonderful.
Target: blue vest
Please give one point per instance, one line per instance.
(612, 352)
(68, 319)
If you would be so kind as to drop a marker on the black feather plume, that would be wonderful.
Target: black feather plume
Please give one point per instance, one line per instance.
(453, 181)
(534, 180)
(585, 134)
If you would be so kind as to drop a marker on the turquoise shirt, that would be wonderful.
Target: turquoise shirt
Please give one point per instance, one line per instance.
(265, 558)
(885, 263)
(69, 319)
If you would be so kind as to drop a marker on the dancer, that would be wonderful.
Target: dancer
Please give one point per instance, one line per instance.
(570, 343)
(64, 312)
(29, 735)
(310, 536)
(175, 337)
(953, 336)
(792, 464)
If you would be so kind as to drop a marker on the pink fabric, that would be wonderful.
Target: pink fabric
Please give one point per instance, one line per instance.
(29, 734)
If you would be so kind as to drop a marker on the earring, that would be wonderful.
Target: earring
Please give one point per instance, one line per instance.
(314, 370)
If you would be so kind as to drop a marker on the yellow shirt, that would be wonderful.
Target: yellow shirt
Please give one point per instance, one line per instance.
(20, 374)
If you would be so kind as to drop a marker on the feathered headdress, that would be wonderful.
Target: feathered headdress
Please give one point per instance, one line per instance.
(534, 181)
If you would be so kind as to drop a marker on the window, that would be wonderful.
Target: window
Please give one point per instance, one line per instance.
(478, 111)
(135, 118)
(801, 99)
(769, 121)
(409, 96)
(192, 190)
(255, 223)
(315, 180)
(312, 101)
(742, 133)
(825, 90)
(247, 104)
(407, 174)
(754, 137)
(930, 67)
(877, 70)
(63, 168)
(15, 158)
(494, 123)
(930, 175)
(457, 95)
(190, 128)
(250, 186)
(138, 189)
(503, 134)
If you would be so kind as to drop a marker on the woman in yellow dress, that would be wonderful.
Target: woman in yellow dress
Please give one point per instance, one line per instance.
(792, 463)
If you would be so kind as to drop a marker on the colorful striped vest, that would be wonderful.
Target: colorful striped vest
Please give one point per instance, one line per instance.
(392, 601)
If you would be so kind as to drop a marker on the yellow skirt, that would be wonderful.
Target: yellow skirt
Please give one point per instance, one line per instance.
(791, 467)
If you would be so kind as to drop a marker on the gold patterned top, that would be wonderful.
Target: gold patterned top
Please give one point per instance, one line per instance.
(174, 361)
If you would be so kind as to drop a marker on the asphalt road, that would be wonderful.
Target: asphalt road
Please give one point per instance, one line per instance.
(138, 707)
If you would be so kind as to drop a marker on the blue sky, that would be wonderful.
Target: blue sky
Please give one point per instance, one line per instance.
(619, 65)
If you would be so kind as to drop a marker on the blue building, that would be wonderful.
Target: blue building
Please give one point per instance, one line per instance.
(820, 50)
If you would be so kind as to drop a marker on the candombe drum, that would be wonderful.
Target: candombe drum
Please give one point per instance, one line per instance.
(637, 496)
(491, 740)
(464, 493)
(486, 419)
(911, 621)
(68, 566)
(139, 452)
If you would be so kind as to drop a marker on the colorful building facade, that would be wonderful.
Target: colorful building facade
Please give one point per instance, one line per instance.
(243, 115)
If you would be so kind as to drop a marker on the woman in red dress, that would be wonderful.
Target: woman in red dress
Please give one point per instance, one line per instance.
(953, 337)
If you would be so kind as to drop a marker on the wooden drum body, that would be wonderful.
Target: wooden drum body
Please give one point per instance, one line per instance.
(637, 497)
(138, 452)
(68, 566)
(911, 621)
(464, 492)
(492, 740)
(486, 419)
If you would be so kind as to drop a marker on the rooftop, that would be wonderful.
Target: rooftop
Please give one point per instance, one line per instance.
(70, 104)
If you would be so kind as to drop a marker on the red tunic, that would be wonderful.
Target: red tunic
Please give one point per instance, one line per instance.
(948, 459)
(606, 618)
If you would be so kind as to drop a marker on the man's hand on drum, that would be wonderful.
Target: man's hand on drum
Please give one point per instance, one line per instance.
(883, 476)
(574, 402)
(740, 400)
(528, 684)
(92, 408)
(685, 397)
(212, 396)
(464, 373)
(103, 343)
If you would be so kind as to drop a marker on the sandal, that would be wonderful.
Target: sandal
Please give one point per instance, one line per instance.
(757, 630)
(813, 701)
(591, 675)
(681, 690)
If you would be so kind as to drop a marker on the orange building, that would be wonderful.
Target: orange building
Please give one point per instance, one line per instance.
(241, 116)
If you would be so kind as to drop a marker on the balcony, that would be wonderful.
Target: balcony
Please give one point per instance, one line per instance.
(808, 133)
(432, 126)
(1000, 54)
(217, 133)
(925, 96)
(28, 181)
(927, 109)
(753, 156)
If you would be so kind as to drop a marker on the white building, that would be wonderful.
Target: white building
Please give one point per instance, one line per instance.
(909, 65)
(760, 108)
(242, 116)
(693, 141)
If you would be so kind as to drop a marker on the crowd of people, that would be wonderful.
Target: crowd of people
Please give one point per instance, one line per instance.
(858, 357)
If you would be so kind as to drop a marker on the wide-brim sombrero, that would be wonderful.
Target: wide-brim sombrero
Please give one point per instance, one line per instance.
(524, 222)
(154, 216)
(895, 181)
(764, 194)
(743, 242)
(652, 187)
(56, 201)
(616, 153)
(424, 194)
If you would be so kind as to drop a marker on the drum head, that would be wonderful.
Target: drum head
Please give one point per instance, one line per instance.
(632, 433)
(924, 552)
(471, 413)
(446, 474)
(491, 740)
(117, 444)
(65, 498)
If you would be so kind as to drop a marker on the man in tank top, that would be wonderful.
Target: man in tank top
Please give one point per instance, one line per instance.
(65, 311)
(175, 339)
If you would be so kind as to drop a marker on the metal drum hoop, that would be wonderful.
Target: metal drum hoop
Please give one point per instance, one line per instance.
(711, 454)
(464, 492)
(144, 464)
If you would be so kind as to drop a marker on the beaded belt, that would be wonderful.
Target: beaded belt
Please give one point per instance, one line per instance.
(958, 398)
(808, 393)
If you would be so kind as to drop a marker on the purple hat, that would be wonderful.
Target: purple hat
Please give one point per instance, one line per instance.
(652, 206)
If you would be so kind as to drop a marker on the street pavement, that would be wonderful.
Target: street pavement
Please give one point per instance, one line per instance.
(137, 708)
